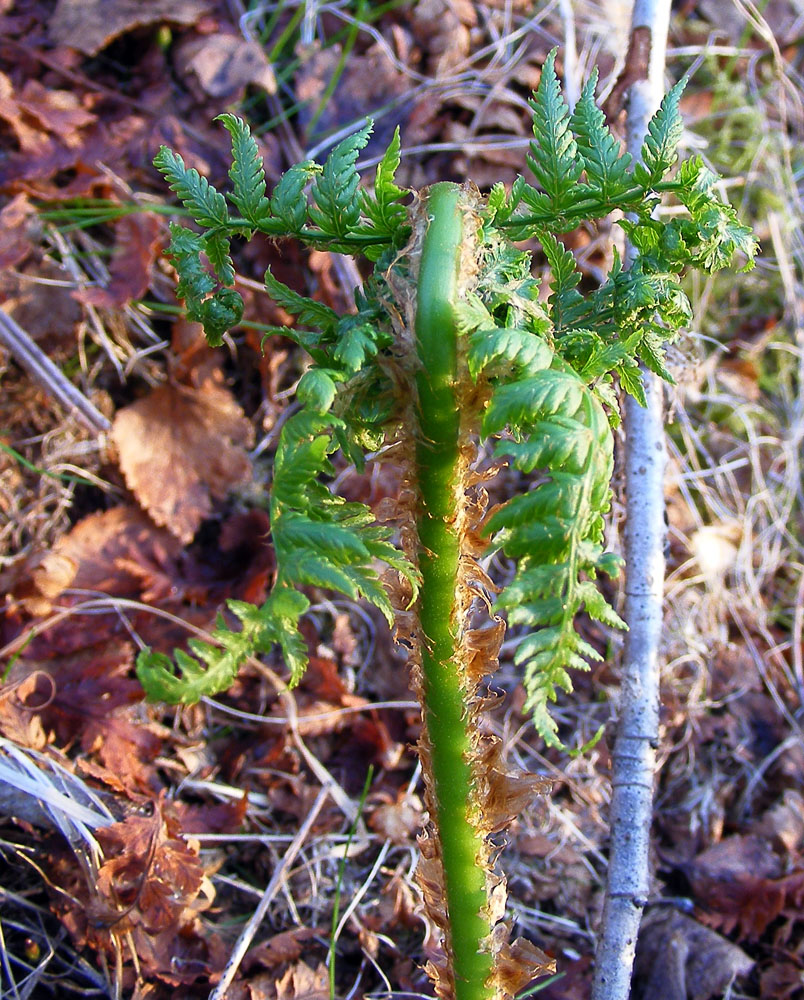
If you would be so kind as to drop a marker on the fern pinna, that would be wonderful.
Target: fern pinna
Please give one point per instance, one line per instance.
(452, 348)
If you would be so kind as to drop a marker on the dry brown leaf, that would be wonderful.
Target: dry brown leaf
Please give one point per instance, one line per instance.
(740, 884)
(41, 304)
(89, 697)
(301, 982)
(679, 959)
(443, 27)
(138, 239)
(287, 946)
(19, 226)
(57, 112)
(352, 99)
(226, 63)
(89, 25)
(29, 137)
(180, 449)
(105, 548)
(398, 822)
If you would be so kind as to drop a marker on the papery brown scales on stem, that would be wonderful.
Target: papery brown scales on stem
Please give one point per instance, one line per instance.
(496, 795)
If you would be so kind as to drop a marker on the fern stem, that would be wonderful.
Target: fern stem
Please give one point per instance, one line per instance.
(438, 461)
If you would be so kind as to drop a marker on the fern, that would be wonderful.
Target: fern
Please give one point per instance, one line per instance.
(553, 158)
(550, 371)
(319, 540)
(336, 201)
(606, 169)
(198, 196)
(661, 142)
(451, 318)
(555, 531)
(385, 209)
(247, 172)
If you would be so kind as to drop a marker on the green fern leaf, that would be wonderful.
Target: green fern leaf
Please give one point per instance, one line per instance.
(289, 206)
(553, 158)
(659, 150)
(384, 208)
(566, 302)
(247, 171)
(214, 666)
(195, 282)
(512, 349)
(198, 196)
(631, 381)
(316, 390)
(308, 311)
(336, 202)
(519, 404)
(216, 247)
(219, 313)
(606, 169)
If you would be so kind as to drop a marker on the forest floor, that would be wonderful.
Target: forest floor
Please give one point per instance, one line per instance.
(136, 840)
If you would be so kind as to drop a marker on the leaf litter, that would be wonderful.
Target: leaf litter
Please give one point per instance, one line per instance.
(205, 800)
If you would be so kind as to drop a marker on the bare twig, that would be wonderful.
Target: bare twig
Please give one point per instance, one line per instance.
(634, 755)
(47, 375)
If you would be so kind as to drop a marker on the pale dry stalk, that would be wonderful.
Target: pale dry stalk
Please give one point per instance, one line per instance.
(634, 755)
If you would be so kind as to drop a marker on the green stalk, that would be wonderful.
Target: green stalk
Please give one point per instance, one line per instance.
(438, 461)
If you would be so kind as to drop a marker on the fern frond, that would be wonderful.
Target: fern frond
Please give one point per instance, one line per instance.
(223, 308)
(555, 531)
(215, 665)
(336, 202)
(216, 247)
(566, 302)
(289, 205)
(246, 172)
(198, 196)
(606, 168)
(308, 311)
(384, 208)
(713, 234)
(553, 158)
(319, 539)
(659, 150)
(511, 350)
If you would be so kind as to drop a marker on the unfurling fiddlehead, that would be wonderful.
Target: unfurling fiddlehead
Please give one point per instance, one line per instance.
(452, 349)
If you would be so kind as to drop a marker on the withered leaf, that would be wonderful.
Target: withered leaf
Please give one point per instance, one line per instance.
(226, 63)
(137, 243)
(58, 112)
(18, 225)
(180, 448)
(679, 959)
(118, 552)
(739, 883)
(89, 697)
(301, 982)
(89, 25)
(150, 868)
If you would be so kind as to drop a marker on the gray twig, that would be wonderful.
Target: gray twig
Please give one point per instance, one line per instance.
(634, 754)
(47, 375)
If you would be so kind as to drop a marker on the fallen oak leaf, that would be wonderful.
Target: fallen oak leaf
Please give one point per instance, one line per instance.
(89, 697)
(179, 449)
(300, 982)
(90, 25)
(138, 238)
(225, 64)
(680, 959)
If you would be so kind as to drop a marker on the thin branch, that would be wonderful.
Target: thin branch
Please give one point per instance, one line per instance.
(280, 874)
(47, 375)
(634, 755)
